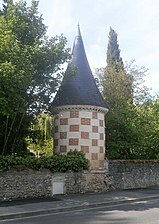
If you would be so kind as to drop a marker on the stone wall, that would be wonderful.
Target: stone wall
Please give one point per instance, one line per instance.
(134, 174)
(117, 175)
(25, 184)
(28, 183)
(88, 181)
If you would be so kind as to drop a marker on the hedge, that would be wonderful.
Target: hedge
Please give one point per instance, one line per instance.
(73, 161)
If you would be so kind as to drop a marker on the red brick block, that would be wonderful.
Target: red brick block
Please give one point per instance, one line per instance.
(94, 156)
(94, 142)
(63, 148)
(95, 129)
(74, 114)
(85, 135)
(73, 141)
(63, 135)
(101, 136)
(101, 123)
(101, 149)
(63, 121)
(85, 149)
(94, 115)
(85, 121)
(74, 128)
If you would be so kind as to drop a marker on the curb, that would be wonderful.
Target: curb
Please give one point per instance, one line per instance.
(73, 208)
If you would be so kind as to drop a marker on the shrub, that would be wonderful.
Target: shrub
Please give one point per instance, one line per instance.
(73, 161)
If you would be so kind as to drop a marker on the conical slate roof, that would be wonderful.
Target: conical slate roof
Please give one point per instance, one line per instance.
(78, 86)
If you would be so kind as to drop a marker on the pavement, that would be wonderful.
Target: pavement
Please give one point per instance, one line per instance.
(64, 203)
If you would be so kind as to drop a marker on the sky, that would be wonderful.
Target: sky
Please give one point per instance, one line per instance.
(136, 23)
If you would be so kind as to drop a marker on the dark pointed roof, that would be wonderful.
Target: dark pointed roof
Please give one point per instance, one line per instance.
(78, 86)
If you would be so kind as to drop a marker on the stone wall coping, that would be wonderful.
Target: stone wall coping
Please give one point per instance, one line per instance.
(137, 161)
(97, 171)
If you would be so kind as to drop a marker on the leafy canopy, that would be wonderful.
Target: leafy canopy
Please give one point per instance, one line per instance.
(29, 71)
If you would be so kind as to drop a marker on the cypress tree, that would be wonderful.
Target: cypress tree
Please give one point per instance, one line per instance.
(117, 84)
(117, 91)
(113, 52)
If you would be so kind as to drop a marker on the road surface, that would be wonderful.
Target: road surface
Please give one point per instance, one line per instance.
(145, 212)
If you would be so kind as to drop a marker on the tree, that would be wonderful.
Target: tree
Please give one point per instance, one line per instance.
(121, 132)
(29, 71)
(141, 93)
(147, 128)
(134, 132)
(113, 53)
(132, 120)
(116, 82)
(117, 87)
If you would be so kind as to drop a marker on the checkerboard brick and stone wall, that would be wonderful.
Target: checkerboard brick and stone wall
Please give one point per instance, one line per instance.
(81, 130)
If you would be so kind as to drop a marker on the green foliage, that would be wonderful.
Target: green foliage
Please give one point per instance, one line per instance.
(13, 134)
(140, 92)
(113, 53)
(117, 87)
(28, 57)
(29, 71)
(40, 142)
(132, 123)
(133, 132)
(40, 148)
(73, 161)
(147, 128)
(121, 133)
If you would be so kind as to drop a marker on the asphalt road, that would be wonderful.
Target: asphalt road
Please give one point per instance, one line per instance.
(145, 212)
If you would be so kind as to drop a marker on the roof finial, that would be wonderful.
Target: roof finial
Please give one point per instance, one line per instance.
(79, 32)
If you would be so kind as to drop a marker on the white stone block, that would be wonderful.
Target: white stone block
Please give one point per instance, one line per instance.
(56, 135)
(63, 128)
(101, 143)
(95, 122)
(94, 136)
(85, 114)
(94, 149)
(73, 121)
(100, 116)
(74, 135)
(64, 114)
(63, 142)
(86, 128)
(85, 142)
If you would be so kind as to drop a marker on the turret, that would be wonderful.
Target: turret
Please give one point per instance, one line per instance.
(79, 110)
